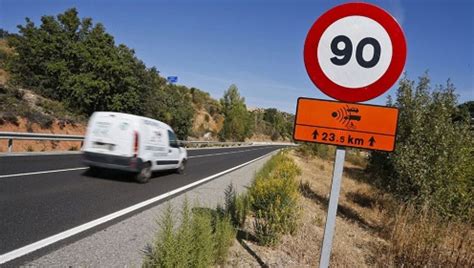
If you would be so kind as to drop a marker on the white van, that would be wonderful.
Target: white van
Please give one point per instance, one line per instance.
(131, 143)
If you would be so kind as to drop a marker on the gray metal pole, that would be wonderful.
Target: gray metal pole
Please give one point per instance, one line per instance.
(332, 209)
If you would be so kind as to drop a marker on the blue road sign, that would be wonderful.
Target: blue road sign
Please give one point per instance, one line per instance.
(172, 79)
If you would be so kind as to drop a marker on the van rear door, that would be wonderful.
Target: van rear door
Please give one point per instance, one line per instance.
(111, 133)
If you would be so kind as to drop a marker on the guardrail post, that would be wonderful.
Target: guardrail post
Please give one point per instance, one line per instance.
(10, 145)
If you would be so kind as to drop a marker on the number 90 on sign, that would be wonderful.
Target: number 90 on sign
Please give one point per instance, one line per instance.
(351, 57)
(355, 52)
(346, 52)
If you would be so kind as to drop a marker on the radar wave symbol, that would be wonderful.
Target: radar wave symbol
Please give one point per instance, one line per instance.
(342, 115)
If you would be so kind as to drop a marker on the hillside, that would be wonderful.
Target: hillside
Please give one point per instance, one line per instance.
(55, 75)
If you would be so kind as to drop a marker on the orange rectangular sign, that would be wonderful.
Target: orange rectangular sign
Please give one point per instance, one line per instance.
(346, 124)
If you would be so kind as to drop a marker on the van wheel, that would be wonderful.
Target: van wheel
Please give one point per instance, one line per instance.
(145, 173)
(182, 167)
(94, 171)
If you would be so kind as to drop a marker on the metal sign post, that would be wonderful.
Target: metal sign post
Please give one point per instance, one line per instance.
(332, 209)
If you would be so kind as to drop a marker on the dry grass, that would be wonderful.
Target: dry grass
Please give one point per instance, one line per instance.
(421, 239)
(355, 241)
(371, 228)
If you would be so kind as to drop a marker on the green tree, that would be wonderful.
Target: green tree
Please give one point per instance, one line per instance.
(273, 123)
(466, 113)
(432, 163)
(172, 106)
(237, 120)
(3, 33)
(75, 61)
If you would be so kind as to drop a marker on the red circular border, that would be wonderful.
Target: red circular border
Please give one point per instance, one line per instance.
(378, 87)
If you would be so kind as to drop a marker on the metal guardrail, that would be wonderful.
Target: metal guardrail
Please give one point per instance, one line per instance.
(10, 136)
(201, 144)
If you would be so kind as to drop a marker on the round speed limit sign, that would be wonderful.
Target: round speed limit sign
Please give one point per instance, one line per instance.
(355, 52)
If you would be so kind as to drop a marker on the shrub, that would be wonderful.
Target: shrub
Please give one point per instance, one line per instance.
(73, 148)
(3, 89)
(224, 234)
(3, 58)
(275, 135)
(203, 238)
(164, 252)
(236, 206)
(322, 151)
(53, 108)
(266, 228)
(274, 199)
(242, 209)
(432, 163)
(29, 126)
(202, 254)
(184, 237)
(17, 93)
(43, 120)
(11, 118)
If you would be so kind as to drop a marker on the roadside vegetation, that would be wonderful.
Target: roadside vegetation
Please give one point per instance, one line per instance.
(432, 165)
(204, 236)
(202, 239)
(385, 216)
(421, 195)
(273, 123)
(431, 177)
(274, 200)
(17, 103)
(76, 66)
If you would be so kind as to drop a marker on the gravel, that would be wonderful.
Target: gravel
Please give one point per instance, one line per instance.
(123, 244)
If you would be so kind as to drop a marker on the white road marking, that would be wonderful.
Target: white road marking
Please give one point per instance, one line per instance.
(86, 226)
(81, 168)
(41, 172)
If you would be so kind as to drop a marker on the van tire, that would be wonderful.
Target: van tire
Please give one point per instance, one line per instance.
(145, 173)
(95, 171)
(182, 167)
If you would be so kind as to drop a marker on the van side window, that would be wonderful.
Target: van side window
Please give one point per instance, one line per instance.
(173, 140)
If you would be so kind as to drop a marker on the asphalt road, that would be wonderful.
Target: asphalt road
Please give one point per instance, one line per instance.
(36, 206)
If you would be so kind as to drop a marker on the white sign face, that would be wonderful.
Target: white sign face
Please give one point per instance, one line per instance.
(354, 51)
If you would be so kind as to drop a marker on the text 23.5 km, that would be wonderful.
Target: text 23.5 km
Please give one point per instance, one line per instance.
(343, 139)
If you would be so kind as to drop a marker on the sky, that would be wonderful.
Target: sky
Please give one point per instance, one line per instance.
(258, 45)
